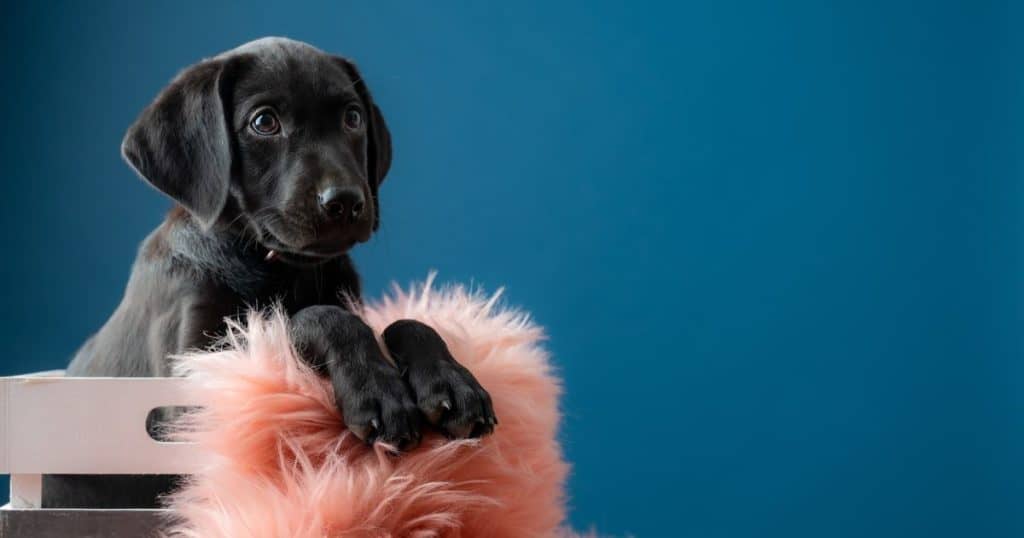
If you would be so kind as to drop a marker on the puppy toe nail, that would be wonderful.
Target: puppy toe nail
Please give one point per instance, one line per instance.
(446, 405)
(460, 431)
(363, 432)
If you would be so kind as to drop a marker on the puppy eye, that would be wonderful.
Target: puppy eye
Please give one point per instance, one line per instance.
(353, 118)
(265, 123)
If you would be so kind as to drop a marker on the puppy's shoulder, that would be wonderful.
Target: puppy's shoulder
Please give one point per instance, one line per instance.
(156, 248)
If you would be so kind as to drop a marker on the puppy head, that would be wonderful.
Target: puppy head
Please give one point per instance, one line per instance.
(275, 137)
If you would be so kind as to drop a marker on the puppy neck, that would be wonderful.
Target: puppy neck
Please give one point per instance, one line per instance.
(226, 253)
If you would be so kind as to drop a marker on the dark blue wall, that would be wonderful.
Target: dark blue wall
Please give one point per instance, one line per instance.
(777, 248)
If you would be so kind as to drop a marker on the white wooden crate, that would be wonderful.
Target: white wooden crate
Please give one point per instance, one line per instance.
(51, 424)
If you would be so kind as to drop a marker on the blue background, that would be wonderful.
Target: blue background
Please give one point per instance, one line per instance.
(777, 248)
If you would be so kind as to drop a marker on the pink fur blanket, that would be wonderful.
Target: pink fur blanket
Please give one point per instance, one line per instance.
(278, 462)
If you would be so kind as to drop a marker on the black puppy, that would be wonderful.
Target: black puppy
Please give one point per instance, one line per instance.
(274, 152)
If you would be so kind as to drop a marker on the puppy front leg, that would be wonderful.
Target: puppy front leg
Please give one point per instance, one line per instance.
(374, 400)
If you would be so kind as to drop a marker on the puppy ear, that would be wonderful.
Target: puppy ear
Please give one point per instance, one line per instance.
(378, 153)
(380, 140)
(180, 143)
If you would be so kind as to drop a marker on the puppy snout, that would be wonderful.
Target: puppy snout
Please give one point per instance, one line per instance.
(342, 203)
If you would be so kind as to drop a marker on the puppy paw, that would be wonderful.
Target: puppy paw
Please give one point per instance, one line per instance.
(451, 399)
(376, 406)
(447, 394)
(374, 400)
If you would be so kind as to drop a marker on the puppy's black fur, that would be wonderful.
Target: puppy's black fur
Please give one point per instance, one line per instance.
(275, 152)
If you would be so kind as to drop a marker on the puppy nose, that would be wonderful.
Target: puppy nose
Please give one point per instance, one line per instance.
(341, 202)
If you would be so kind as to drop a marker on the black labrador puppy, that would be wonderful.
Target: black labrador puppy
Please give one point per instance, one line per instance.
(274, 153)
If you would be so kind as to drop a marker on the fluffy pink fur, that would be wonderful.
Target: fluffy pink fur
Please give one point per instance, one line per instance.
(278, 462)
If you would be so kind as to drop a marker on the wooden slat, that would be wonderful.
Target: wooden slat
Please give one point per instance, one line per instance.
(68, 425)
(64, 523)
(26, 490)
